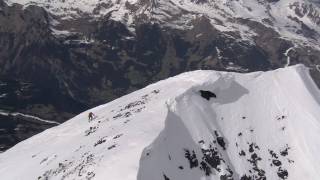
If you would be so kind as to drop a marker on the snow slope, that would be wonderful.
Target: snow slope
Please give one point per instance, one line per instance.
(260, 125)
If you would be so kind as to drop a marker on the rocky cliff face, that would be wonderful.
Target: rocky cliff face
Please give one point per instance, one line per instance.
(59, 58)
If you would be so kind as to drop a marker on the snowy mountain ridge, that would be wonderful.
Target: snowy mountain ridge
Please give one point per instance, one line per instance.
(261, 125)
(296, 20)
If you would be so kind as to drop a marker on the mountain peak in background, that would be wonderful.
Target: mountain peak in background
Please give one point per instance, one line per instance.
(261, 125)
(293, 19)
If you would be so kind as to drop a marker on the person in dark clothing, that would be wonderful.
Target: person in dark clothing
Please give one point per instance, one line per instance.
(91, 116)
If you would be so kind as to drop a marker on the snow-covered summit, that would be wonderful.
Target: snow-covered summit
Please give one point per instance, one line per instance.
(197, 125)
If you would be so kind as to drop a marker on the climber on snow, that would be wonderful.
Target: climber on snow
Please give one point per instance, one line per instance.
(91, 116)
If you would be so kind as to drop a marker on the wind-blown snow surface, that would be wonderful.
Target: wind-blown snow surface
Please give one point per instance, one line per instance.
(260, 125)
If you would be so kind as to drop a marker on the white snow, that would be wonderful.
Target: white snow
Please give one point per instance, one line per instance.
(3, 95)
(146, 135)
(6, 113)
(290, 94)
(236, 68)
(318, 67)
(287, 55)
(219, 53)
(33, 117)
(60, 32)
(199, 35)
